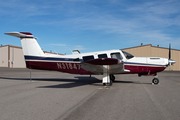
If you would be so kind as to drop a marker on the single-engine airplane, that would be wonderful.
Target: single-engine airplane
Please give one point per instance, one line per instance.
(106, 63)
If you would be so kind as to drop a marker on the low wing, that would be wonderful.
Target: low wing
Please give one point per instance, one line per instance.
(98, 66)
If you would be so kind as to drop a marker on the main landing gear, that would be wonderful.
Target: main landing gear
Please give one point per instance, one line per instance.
(108, 84)
(111, 79)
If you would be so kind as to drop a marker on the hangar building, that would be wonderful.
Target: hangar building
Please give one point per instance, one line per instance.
(156, 51)
(12, 56)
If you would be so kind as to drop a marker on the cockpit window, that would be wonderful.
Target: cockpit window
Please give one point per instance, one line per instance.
(127, 55)
(116, 55)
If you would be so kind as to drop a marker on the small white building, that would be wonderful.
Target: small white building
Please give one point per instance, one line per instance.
(11, 57)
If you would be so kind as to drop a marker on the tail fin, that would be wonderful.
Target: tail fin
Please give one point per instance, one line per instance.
(29, 43)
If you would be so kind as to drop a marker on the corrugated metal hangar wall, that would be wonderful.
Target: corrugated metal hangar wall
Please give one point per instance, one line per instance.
(156, 51)
(12, 56)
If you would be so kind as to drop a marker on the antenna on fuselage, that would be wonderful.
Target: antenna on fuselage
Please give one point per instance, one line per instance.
(71, 50)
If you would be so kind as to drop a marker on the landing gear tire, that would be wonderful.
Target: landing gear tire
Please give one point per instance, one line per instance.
(108, 84)
(155, 81)
(112, 77)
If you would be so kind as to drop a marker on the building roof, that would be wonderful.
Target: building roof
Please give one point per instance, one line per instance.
(10, 46)
(21, 48)
(150, 46)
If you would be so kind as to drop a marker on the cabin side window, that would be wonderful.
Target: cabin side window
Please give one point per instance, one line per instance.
(85, 58)
(102, 56)
(116, 55)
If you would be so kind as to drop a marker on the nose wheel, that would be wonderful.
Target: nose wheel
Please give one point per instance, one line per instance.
(155, 81)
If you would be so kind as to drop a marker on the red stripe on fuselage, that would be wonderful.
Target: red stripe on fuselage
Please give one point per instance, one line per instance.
(143, 69)
(72, 68)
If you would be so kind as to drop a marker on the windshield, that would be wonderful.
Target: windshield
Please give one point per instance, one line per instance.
(127, 55)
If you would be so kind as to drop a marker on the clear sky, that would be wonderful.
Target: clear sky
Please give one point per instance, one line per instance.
(92, 25)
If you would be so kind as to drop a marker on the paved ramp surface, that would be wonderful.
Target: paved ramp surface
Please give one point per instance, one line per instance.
(60, 96)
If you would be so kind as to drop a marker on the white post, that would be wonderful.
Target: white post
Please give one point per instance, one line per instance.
(106, 74)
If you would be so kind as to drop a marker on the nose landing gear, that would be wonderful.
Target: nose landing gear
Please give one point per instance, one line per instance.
(155, 81)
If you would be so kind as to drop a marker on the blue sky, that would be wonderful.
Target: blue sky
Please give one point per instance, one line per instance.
(92, 25)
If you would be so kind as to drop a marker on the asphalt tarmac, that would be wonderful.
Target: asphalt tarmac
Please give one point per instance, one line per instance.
(59, 96)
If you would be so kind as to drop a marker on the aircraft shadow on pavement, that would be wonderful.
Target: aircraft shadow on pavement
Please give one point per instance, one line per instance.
(66, 83)
(74, 82)
(8, 78)
(70, 83)
(123, 82)
(133, 82)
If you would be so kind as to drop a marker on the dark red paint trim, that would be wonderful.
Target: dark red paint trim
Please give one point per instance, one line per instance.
(26, 33)
(75, 68)
(72, 68)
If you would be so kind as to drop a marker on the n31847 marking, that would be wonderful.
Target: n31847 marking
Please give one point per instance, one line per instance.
(68, 66)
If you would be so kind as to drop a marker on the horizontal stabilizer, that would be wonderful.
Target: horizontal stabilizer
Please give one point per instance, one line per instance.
(21, 34)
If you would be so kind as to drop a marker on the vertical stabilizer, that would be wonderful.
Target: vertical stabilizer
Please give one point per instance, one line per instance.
(29, 43)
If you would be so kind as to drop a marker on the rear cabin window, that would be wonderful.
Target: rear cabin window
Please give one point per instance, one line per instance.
(102, 56)
(116, 55)
(85, 58)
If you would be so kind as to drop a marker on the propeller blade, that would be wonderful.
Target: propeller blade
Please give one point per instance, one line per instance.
(169, 51)
(171, 62)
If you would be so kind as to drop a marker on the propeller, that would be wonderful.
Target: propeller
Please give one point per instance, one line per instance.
(171, 62)
(169, 51)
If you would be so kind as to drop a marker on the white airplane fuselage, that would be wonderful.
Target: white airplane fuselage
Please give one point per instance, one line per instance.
(72, 63)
